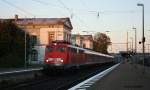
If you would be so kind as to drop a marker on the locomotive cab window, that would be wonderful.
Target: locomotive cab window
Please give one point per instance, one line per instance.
(61, 49)
(81, 51)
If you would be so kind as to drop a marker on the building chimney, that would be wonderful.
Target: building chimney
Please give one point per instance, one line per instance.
(16, 17)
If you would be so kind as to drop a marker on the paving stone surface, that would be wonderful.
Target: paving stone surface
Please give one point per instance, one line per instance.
(126, 76)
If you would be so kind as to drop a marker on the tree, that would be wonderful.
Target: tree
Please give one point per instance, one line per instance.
(101, 42)
(11, 44)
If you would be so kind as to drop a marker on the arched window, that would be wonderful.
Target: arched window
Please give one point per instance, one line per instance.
(34, 55)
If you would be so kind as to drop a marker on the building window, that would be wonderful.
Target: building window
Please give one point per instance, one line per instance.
(34, 55)
(33, 40)
(56, 26)
(64, 36)
(84, 46)
(59, 34)
(51, 36)
(52, 26)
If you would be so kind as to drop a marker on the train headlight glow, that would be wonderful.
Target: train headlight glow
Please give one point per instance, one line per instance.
(47, 60)
(55, 59)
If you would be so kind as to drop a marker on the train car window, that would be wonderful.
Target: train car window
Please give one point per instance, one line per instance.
(74, 50)
(71, 49)
(49, 49)
(78, 51)
(81, 51)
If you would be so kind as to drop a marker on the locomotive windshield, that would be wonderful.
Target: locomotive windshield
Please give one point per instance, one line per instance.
(61, 49)
(58, 49)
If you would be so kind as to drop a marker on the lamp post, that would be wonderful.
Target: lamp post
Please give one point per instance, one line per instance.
(148, 47)
(25, 46)
(25, 62)
(143, 37)
(25, 41)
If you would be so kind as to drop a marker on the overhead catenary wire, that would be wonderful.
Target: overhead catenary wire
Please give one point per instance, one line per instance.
(48, 4)
(73, 14)
(64, 6)
(20, 9)
(84, 4)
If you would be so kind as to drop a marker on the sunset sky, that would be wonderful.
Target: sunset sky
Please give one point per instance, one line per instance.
(116, 16)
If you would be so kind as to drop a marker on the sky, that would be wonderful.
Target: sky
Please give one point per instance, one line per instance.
(116, 16)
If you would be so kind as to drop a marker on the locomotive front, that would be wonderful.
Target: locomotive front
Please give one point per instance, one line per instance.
(56, 56)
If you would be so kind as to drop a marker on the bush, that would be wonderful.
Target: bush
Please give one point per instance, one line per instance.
(11, 60)
(12, 44)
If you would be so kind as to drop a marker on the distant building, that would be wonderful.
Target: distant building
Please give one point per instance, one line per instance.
(77, 39)
(85, 41)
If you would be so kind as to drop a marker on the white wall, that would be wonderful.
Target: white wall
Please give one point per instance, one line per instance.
(45, 31)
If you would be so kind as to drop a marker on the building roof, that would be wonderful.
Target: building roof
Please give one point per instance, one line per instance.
(85, 37)
(43, 21)
(89, 37)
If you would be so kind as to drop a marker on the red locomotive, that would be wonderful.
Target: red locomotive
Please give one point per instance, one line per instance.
(66, 56)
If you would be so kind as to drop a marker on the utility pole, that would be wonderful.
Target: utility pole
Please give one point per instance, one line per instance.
(131, 44)
(148, 48)
(135, 39)
(127, 42)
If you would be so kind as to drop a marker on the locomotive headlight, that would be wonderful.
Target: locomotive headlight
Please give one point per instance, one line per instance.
(47, 60)
(55, 59)
(61, 60)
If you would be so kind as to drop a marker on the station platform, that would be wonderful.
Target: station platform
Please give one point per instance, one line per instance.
(126, 76)
(17, 70)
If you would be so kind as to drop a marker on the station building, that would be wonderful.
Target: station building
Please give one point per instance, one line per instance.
(44, 31)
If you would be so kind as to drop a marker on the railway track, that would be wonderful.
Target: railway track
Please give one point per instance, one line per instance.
(58, 82)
